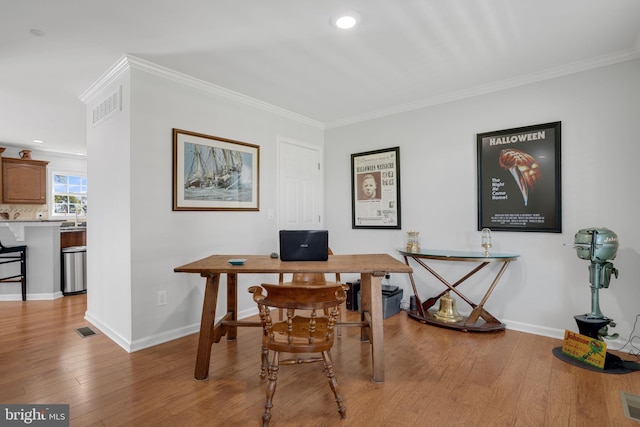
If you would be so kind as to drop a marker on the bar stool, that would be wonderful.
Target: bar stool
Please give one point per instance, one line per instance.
(12, 254)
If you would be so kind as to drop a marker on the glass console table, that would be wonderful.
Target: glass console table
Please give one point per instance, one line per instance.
(479, 319)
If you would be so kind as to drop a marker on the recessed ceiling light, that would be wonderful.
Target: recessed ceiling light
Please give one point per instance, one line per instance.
(38, 141)
(37, 33)
(347, 20)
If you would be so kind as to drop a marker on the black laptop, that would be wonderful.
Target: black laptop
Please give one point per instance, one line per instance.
(304, 245)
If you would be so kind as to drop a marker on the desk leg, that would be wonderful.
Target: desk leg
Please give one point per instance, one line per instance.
(232, 304)
(371, 288)
(206, 337)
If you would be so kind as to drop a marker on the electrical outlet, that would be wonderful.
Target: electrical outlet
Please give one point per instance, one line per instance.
(162, 297)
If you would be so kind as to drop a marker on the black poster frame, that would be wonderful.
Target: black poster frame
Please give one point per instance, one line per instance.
(519, 179)
(382, 209)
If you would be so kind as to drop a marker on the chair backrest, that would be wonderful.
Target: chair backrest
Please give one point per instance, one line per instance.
(299, 333)
(301, 297)
(309, 278)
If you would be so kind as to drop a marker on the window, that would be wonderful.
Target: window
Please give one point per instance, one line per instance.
(69, 195)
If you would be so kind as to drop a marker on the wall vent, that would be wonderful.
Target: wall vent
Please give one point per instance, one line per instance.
(630, 405)
(108, 108)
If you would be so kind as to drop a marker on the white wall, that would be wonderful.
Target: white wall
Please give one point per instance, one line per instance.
(109, 217)
(135, 239)
(540, 293)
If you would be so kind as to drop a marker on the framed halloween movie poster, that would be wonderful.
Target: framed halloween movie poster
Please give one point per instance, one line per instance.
(519, 185)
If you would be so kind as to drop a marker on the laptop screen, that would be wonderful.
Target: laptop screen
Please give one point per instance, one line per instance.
(304, 245)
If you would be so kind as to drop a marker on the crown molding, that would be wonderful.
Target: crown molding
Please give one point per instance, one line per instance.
(38, 149)
(543, 75)
(127, 62)
(111, 75)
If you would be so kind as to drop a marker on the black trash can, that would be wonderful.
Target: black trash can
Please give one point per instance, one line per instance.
(74, 270)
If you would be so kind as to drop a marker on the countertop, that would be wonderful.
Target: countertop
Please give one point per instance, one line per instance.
(13, 221)
(17, 226)
(70, 228)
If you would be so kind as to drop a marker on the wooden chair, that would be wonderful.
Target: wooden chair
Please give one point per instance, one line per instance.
(312, 279)
(309, 331)
(308, 278)
(13, 254)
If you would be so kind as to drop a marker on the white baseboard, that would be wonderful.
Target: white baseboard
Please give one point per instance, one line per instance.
(32, 297)
(615, 344)
(153, 340)
(534, 329)
(114, 336)
(164, 337)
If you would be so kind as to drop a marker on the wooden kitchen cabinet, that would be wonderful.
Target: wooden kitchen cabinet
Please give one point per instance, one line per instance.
(73, 238)
(24, 181)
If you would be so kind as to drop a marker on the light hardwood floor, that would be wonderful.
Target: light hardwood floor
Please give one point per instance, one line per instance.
(434, 376)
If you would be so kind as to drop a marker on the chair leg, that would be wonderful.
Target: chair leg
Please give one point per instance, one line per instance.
(23, 272)
(271, 388)
(342, 314)
(264, 363)
(328, 367)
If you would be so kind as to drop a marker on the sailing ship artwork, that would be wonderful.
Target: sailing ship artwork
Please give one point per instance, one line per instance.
(214, 173)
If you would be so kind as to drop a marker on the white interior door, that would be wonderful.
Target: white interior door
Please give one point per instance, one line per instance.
(300, 186)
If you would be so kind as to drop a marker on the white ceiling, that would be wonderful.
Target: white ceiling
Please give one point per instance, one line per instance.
(404, 54)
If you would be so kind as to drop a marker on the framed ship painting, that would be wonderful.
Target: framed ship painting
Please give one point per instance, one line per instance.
(214, 174)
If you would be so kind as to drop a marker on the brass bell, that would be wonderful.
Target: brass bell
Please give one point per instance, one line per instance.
(447, 312)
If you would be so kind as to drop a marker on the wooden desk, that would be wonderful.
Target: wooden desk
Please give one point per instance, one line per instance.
(473, 321)
(371, 268)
